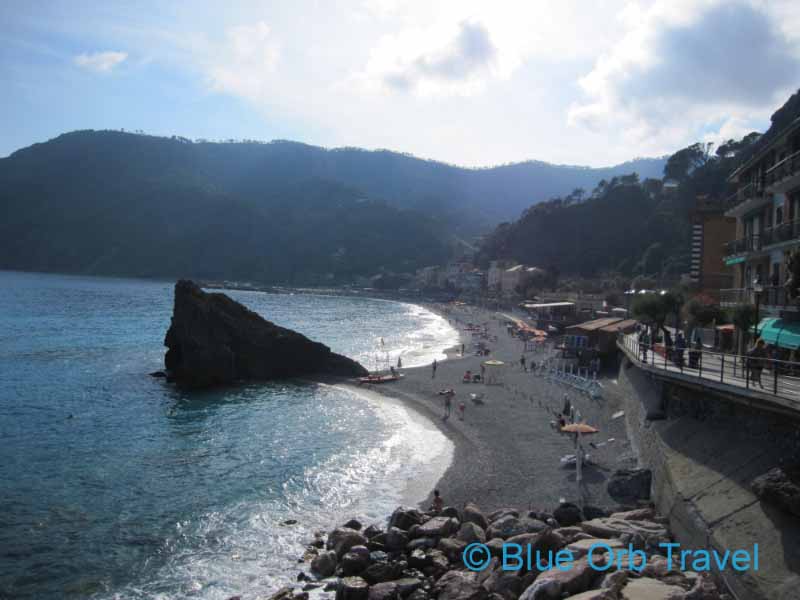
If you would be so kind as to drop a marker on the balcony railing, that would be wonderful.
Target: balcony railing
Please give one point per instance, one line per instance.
(750, 243)
(786, 168)
(790, 230)
(770, 296)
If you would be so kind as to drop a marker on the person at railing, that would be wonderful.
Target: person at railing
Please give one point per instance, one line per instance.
(756, 358)
(644, 342)
(696, 355)
(680, 346)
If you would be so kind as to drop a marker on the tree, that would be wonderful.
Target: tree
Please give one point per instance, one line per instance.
(744, 317)
(684, 162)
(654, 309)
(701, 310)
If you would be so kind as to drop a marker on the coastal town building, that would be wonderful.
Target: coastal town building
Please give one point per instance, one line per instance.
(494, 277)
(516, 279)
(766, 207)
(711, 229)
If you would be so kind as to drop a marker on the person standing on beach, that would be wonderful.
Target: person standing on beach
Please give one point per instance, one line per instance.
(461, 409)
(462, 349)
(433, 368)
(399, 362)
(447, 404)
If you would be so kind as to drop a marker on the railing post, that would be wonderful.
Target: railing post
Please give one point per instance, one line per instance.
(722, 369)
(746, 374)
(775, 377)
(700, 364)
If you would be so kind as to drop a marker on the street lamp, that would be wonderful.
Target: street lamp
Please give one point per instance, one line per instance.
(757, 290)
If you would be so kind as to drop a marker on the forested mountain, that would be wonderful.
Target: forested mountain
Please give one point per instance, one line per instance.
(108, 202)
(628, 226)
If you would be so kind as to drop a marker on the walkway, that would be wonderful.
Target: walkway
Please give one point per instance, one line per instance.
(722, 372)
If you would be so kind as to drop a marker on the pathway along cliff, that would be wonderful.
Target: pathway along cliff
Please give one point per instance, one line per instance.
(213, 340)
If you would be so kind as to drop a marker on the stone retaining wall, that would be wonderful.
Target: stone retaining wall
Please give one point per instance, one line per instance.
(704, 452)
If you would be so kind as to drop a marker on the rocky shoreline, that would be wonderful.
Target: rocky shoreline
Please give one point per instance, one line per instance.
(420, 556)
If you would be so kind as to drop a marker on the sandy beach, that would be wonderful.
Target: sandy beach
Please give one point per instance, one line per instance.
(506, 452)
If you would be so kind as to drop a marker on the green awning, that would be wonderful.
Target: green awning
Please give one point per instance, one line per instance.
(780, 332)
(734, 261)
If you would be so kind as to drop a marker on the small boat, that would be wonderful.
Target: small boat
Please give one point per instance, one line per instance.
(380, 378)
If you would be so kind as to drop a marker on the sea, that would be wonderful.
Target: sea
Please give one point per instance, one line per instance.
(115, 484)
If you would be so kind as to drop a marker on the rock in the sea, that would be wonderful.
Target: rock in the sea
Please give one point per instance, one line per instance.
(324, 564)
(405, 518)
(781, 488)
(214, 340)
(342, 539)
(628, 485)
(352, 588)
(437, 527)
(470, 532)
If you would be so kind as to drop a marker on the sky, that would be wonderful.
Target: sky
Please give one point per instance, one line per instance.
(469, 82)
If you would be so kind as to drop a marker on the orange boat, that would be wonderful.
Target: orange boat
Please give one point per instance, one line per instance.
(379, 378)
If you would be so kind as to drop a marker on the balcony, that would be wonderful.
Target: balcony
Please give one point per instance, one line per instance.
(773, 296)
(747, 198)
(783, 171)
(751, 243)
(785, 232)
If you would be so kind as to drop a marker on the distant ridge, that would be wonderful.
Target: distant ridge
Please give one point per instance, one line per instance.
(110, 202)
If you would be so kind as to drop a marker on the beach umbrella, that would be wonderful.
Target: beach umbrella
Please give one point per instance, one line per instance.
(582, 428)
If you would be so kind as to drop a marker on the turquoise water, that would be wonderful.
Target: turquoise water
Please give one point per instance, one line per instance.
(116, 485)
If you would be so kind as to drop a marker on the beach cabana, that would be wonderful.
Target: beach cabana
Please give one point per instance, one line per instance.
(494, 372)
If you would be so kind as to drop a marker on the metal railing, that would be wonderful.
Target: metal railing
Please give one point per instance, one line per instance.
(778, 378)
(784, 232)
(751, 243)
(786, 168)
(770, 296)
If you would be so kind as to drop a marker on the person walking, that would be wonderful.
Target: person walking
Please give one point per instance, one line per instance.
(461, 409)
(433, 369)
(448, 401)
(755, 362)
(522, 363)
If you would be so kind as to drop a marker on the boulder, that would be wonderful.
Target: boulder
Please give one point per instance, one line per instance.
(342, 539)
(352, 563)
(542, 589)
(373, 530)
(436, 527)
(324, 565)
(581, 547)
(353, 524)
(630, 485)
(404, 518)
(637, 514)
(504, 583)
(578, 578)
(470, 532)
(780, 487)
(609, 527)
(382, 571)
(473, 514)
(214, 340)
(451, 548)
(593, 595)
(502, 512)
(646, 588)
(383, 591)
(568, 514)
(450, 511)
(396, 539)
(508, 526)
(459, 585)
(407, 585)
(352, 588)
(424, 542)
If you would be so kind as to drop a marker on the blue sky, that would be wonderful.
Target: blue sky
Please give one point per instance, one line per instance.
(468, 82)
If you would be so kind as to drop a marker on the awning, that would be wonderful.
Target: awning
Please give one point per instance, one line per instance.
(780, 332)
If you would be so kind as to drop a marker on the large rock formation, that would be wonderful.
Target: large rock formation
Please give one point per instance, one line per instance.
(214, 340)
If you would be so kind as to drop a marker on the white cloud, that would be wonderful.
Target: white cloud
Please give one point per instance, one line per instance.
(100, 62)
(684, 68)
(242, 63)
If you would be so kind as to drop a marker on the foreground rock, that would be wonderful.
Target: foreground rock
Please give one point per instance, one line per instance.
(214, 340)
(421, 557)
(781, 488)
